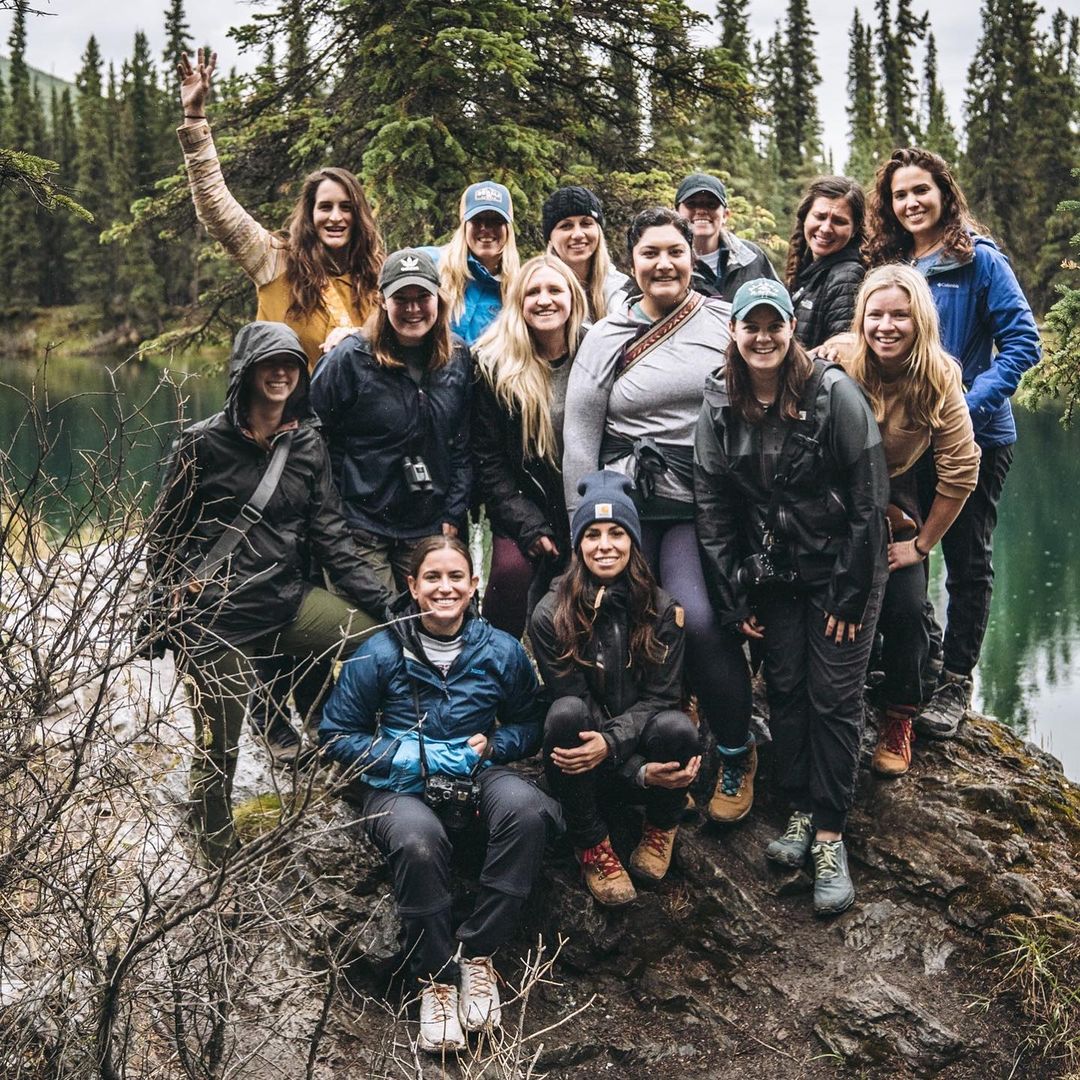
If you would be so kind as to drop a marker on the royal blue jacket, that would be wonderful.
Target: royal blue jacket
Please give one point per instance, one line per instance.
(981, 305)
(370, 720)
(483, 299)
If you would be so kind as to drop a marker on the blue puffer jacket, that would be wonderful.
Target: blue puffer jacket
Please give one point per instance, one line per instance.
(491, 688)
(981, 305)
(483, 299)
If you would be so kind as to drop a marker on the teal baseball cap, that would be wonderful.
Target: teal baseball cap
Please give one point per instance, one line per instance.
(762, 291)
(487, 195)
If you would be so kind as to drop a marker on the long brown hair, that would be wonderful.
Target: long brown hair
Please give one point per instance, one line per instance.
(576, 607)
(794, 373)
(437, 542)
(308, 265)
(387, 349)
(888, 240)
(824, 187)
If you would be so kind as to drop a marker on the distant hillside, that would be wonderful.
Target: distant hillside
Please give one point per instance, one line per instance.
(46, 82)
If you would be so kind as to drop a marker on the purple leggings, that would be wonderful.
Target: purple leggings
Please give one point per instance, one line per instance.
(506, 599)
(716, 666)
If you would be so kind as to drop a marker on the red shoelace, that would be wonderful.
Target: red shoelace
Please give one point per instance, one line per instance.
(656, 839)
(603, 857)
(898, 735)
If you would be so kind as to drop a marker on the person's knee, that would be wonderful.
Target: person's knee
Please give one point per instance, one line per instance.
(423, 843)
(672, 736)
(567, 717)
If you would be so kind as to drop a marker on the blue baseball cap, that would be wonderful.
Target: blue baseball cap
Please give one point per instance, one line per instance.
(762, 291)
(487, 195)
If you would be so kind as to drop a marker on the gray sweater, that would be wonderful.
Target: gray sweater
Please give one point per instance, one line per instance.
(659, 397)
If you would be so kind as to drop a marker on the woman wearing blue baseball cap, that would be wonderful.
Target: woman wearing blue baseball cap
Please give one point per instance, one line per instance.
(480, 259)
(791, 488)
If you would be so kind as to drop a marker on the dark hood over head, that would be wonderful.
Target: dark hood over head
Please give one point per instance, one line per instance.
(259, 341)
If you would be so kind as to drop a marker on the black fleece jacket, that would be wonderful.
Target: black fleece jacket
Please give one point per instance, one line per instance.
(212, 472)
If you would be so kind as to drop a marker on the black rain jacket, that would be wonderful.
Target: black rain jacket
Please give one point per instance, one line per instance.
(824, 296)
(831, 512)
(214, 469)
(621, 699)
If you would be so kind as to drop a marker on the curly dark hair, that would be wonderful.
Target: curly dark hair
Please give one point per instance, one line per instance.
(308, 265)
(824, 187)
(576, 608)
(888, 240)
(652, 218)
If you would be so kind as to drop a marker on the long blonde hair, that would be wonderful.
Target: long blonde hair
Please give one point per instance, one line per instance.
(506, 357)
(454, 264)
(599, 265)
(929, 372)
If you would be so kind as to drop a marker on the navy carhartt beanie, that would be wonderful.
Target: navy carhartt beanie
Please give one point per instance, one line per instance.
(605, 496)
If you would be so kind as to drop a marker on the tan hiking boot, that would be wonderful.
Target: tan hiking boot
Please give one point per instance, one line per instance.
(892, 755)
(734, 792)
(652, 857)
(605, 875)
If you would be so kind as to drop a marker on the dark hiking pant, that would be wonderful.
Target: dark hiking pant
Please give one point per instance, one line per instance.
(667, 736)
(517, 817)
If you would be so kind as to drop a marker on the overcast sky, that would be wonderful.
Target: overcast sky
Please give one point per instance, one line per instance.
(56, 42)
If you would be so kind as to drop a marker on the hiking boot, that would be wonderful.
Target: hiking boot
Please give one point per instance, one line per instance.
(791, 848)
(478, 1004)
(833, 890)
(734, 792)
(282, 742)
(892, 755)
(605, 876)
(440, 1028)
(652, 857)
(942, 715)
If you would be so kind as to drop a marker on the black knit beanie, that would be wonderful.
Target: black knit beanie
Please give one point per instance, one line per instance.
(605, 497)
(567, 202)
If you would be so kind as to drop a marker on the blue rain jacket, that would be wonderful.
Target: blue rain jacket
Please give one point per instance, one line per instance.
(483, 299)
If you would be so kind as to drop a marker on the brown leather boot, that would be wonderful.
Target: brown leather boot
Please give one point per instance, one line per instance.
(734, 792)
(605, 875)
(892, 755)
(652, 857)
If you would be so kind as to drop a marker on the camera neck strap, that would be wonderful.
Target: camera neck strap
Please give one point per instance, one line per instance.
(424, 771)
(801, 430)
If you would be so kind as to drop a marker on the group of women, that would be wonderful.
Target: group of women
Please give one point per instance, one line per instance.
(675, 465)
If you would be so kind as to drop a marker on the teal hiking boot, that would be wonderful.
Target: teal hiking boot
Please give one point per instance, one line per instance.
(791, 848)
(833, 890)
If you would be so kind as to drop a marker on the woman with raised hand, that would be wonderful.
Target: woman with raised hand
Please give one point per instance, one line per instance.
(227, 556)
(442, 703)
(791, 492)
(523, 364)
(573, 225)
(609, 644)
(825, 264)
(394, 403)
(632, 405)
(914, 388)
(918, 213)
(480, 261)
(320, 274)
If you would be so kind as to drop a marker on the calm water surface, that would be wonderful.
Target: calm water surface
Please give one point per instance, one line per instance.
(1029, 676)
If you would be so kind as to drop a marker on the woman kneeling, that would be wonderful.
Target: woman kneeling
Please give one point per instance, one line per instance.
(609, 644)
(437, 706)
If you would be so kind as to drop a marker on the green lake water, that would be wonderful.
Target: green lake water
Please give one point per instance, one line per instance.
(1029, 676)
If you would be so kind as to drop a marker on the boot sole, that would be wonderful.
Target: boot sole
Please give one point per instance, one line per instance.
(727, 820)
(826, 912)
(790, 864)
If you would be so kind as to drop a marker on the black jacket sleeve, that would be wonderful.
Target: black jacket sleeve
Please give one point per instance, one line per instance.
(510, 511)
(855, 443)
(334, 547)
(461, 470)
(716, 514)
(174, 512)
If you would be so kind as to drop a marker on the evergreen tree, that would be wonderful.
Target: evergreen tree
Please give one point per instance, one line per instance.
(57, 283)
(793, 82)
(864, 151)
(937, 133)
(899, 87)
(177, 40)
(297, 67)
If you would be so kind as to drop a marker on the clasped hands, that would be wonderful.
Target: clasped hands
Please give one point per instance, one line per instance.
(594, 749)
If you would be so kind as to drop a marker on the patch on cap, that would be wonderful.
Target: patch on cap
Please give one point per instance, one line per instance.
(602, 510)
(410, 262)
(763, 287)
(487, 194)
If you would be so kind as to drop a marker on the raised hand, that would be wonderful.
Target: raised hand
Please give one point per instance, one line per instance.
(195, 83)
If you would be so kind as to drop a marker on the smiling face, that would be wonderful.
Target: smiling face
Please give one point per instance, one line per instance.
(707, 216)
(412, 312)
(916, 202)
(486, 236)
(332, 215)
(828, 227)
(575, 240)
(273, 380)
(442, 589)
(888, 326)
(663, 263)
(605, 549)
(763, 337)
(546, 304)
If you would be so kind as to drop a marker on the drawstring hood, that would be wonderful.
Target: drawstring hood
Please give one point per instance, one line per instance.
(258, 341)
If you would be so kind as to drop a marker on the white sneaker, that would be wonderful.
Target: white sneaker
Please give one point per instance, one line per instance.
(478, 1006)
(440, 1028)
